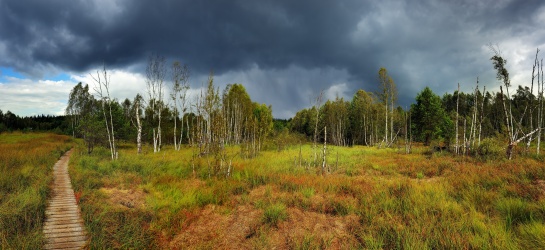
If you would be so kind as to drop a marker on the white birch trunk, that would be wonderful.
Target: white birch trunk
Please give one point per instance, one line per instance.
(139, 130)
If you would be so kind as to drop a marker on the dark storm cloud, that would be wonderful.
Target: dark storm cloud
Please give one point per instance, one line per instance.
(222, 35)
(272, 43)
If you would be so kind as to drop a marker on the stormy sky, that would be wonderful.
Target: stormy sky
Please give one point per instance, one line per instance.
(283, 51)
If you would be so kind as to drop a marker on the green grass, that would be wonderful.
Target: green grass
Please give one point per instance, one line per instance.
(26, 162)
(274, 214)
(373, 198)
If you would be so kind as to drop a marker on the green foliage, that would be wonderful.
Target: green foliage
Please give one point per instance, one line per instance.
(501, 72)
(361, 107)
(429, 120)
(303, 122)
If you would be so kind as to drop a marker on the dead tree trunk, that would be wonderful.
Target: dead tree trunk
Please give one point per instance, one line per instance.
(155, 75)
(481, 119)
(540, 112)
(138, 128)
(324, 152)
(457, 146)
(103, 81)
(317, 105)
(509, 151)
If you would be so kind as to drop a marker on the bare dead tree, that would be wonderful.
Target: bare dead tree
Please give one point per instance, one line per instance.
(540, 86)
(324, 151)
(406, 133)
(457, 146)
(393, 98)
(102, 88)
(531, 95)
(473, 128)
(180, 85)
(155, 76)
(481, 118)
(317, 105)
(464, 149)
(539, 112)
(503, 75)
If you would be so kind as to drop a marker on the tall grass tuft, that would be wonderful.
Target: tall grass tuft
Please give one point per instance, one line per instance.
(274, 214)
(532, 235)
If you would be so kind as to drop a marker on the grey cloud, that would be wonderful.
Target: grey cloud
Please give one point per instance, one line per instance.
(297, 47)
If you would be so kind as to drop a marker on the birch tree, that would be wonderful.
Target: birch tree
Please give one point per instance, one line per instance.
(155, 76)
(102, 88)
(137, 121)
(76, 103)
(180, 86)
(211, 107)
(388, 95)
(85, 114)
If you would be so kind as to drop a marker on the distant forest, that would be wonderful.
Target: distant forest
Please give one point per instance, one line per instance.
(457, 121)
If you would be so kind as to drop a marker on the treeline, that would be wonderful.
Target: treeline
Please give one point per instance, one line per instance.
(458, 121)
(361, 120)
(208, 122)
(12, 122)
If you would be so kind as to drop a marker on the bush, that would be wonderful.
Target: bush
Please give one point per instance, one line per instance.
(489, 148)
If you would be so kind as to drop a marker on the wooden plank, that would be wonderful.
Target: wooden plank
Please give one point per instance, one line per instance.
(71, 214)
(61, 211)
(66, 206)
(71, 248)
(65, 234)
(78, 222)
(63, 204)
(57, 220)
(71, 225)
(63, 196)
(66, 239)
(60, 194)
(59, 205)
(64, 230)
(75, 213)
(65, 245)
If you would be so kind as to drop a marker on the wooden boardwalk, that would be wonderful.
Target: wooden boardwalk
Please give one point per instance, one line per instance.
(63, 227)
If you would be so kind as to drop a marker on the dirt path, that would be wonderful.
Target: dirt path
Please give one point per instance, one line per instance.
(63, 227)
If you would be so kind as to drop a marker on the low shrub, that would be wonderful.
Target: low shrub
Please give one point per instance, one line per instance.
(490, 149)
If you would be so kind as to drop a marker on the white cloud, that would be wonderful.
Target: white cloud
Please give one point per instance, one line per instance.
(337, 90)
(123, 84)
(25, 97)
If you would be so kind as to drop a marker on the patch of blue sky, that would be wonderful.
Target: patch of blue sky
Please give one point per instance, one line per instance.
(59, 77)
(6, 72)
